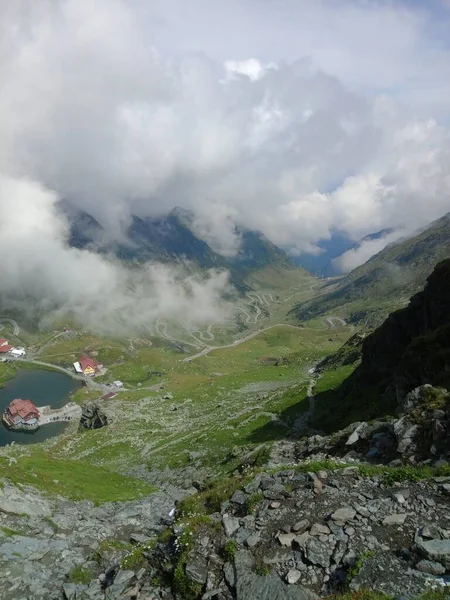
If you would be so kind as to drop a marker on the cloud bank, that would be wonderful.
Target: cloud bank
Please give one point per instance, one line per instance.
(41, 275)
(295, 118)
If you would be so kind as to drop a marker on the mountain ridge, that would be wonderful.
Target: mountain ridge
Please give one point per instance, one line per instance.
(170, 238)
(386, 281)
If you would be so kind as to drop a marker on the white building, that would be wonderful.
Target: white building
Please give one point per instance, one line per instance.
(118, 384)
(18, 352)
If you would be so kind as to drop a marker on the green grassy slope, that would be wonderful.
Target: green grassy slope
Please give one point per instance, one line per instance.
(386, 281)
(232, 398)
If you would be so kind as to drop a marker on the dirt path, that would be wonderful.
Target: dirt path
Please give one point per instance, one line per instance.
(301, 423)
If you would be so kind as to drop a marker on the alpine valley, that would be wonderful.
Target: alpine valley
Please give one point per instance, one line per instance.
(295, 449)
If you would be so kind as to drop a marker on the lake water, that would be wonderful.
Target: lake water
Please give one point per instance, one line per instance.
(42, 388)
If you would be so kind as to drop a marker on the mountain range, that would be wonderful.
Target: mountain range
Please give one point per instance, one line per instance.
(170, 238)
(386, 281)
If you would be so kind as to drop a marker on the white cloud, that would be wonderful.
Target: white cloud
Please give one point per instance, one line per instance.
(45, 276)
(338, 121)
(357, 256)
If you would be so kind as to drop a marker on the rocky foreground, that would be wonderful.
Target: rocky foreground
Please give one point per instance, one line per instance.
(298, 533)
(365, 508)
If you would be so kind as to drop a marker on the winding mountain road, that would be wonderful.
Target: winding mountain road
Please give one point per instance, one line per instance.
(209, 349)
(331, 321)
(16, 328)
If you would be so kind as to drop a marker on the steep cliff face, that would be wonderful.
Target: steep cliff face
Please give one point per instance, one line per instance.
(412, 347)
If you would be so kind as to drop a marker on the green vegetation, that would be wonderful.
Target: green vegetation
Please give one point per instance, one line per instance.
(260, 567)
(252, 502)
(52, 523)
(188, 589)
(75, 480)
(234, 400)
(359, 563)
(229, 550)
(9, 532)
(80, 574)
(386, 282)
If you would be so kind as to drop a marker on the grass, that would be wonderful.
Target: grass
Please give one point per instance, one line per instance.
(229, 399)
(7, 371)
(80, 574)
(8, 531)
(359, 563)
(229, 550)
(74, 480)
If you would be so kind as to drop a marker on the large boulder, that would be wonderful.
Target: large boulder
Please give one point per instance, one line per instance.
(92, 417)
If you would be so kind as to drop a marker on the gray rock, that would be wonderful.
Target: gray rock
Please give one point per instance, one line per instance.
(253, 486)
(242, 535)
(430, 533)
(293, 576)
(350, 471)
(92, 417)
(229, 574)
(342, 515)
(238, 497)
(355, 436)
(319, 529)
(399, 497)
(123, 577)
(250, 586)
(362, 510)
(405, 433)
(428, 566)
(18, 502)
(72, 590)
(319, 553)
(286, 539)
(252, 540)
(230, 524)
(397, 519)
(301, 526)
(139, 538)
(435, 550)
(197, 568)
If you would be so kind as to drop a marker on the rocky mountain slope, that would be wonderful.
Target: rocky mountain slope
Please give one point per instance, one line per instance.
(411, 348)
(386, 281)
(172, 238)
(363, 508)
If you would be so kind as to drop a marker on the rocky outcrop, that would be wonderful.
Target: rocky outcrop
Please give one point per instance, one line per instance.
(410, 349)
(298, 535)
(405, 351)
(51, 548)
(92, 417)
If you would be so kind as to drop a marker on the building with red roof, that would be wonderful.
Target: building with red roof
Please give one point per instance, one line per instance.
(21, 414)
(4, 348)
(3, 342)
(86, 366)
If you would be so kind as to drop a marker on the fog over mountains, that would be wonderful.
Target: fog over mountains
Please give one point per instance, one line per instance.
(297, 119)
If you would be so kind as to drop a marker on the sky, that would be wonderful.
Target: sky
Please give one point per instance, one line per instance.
(294, 117)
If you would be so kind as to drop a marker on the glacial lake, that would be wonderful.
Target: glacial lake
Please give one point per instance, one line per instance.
(42, 388)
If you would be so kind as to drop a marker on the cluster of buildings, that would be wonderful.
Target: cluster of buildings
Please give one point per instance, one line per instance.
(8, 349)
(21, 414)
